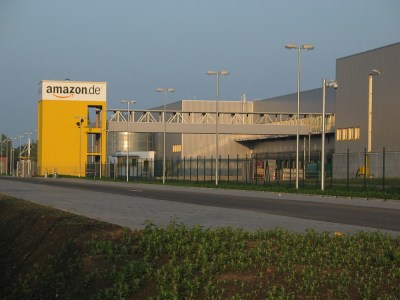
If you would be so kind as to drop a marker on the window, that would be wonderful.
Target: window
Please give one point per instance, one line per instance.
(345, 134)
(348, 134)
(357, 133)
(176, 148)
(351, 134)
(339, 134)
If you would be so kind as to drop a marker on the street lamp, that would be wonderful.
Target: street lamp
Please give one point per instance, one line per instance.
(12, 156)
(165, 91)
(6, 143)
(20, 154)
(127, 137)
(298, 48)
(29, 151)
(217, 73)
(80, 124)
(325, 84)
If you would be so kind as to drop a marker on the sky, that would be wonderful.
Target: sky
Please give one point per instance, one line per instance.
(137, 46)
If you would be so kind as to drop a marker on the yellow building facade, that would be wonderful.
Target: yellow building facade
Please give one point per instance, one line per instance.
(72, 128)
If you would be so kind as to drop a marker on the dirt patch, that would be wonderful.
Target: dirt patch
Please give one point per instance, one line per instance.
(38, 243)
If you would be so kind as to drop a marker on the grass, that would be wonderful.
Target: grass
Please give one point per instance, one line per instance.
(46, 253)
(309, 187)
(372, 188)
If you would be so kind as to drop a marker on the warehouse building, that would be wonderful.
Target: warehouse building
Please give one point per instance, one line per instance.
(361, 119)
(367, 107)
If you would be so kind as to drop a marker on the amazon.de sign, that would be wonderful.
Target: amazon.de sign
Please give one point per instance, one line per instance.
(73, 90)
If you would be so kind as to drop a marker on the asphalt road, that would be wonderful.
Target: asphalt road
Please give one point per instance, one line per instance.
(378, 214)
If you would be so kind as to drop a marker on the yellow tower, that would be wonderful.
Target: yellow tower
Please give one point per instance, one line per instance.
(72, 128)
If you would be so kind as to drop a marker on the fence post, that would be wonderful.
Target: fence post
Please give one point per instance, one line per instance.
(255, 171)
(304, 175)
(246, 167)
(197, 167)
(269, 175)
(383, 169)
(332, 171)
(237, 168)
(290, 169)
(228, 168)
(204, 168)
(212, 167)
(190, 168)
(365, 169)
(219, 167)
(348, 169)
(184, 168)
(137, 169)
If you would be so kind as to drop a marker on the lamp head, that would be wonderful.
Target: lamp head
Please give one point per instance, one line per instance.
(332, 84)
(375, 72)
(128, 101)
(223, 72)
(291, 46)
(307, 46)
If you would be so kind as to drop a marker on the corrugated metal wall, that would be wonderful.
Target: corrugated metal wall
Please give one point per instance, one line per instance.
(352, 98)
(310, 102)
(204, 144)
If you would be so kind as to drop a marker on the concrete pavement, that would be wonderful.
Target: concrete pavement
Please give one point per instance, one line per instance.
(133, 211)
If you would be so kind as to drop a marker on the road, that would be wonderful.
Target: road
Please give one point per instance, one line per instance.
(156, 202)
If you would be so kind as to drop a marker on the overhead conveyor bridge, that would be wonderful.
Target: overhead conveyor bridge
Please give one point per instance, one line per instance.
(196, 122)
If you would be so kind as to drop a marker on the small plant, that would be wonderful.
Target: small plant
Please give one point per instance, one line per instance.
(180, 262)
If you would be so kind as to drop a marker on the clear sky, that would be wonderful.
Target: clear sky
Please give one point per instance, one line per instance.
(139, 45)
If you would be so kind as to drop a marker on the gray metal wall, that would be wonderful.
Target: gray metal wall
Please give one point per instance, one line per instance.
(352, 98)
(223, 106)
(171, 139)
(204, 144)
(310, 102)
(312, 142)
(194, 145)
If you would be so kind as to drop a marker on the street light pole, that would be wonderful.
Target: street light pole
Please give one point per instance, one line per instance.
(325, 84)
(127, 137)
(7, 140)
(29, 153)
(80, 124)
(165, 91)
(1, 157)
(12, 156)
(298, 48)
(217, 73)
